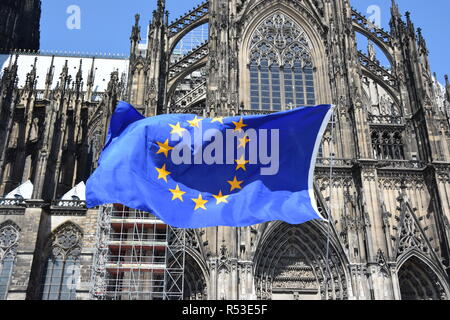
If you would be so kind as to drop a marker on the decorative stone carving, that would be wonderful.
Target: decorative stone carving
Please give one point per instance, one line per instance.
(297, 269)
(418, 281)
(9, 238)
(382, 263)
(66, 242)
(410, 235)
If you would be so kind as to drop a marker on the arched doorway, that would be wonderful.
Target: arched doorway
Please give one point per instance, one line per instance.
(419, 282)
(194, 280)
(291, 264)
(195, 270)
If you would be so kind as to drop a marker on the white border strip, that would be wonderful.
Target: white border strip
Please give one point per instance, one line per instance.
(312, 166)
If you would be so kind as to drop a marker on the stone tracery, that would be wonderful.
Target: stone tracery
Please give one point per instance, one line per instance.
(62, 270)
(9, 240)
(281, 66)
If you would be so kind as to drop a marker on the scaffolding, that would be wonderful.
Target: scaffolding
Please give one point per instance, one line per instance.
(138, 257)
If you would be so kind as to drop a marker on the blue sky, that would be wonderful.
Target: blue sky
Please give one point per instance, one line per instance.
(106, 24)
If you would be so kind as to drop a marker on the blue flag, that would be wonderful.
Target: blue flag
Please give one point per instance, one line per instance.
(194, 172)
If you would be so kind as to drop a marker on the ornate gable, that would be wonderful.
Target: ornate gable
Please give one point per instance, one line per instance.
(411, 236)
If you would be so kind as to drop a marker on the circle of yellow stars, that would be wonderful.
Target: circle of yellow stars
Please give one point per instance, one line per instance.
(235, 184)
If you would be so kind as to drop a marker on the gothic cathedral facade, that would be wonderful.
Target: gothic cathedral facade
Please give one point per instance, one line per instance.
(382, 176)
(19, 25)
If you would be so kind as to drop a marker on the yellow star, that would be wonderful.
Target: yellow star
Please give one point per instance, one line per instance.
(243, 142)
(217, 119)
(241, 163)
(200, 203)
(164, 148)
(220, 198)
(177, 193)
(239, 125)
(177, 129)
(235, 184)
(163, 173)
(195, 122)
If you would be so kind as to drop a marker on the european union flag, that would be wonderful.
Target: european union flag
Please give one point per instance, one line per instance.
(195, 172)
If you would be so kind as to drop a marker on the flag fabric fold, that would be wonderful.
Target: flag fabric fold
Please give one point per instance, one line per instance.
(194, 172)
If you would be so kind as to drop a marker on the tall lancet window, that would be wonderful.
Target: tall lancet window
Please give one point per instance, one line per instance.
(61, 273)
(9, 238)
(281, 67)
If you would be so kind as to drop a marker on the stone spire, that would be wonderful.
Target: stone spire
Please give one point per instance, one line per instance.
(447, 88)
(79, 79)
(421, 40)
(394, 9)
(90, 81)
(31, 77)
(65, 78)
(410, 25)
(135, 35)
(49, 78)
(162, 5)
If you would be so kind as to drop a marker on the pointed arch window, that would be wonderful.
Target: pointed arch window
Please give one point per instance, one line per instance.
(62, 269)
(388, 144)
(281, 68)
(9, 238)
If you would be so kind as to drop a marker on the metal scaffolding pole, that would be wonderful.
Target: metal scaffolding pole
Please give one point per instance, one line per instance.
(175, 258)
(138, 257)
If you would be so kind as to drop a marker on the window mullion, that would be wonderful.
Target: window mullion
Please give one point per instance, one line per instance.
(259, 87)
(61, 279)
(294, 89)
(48, 279)
(304, 88)
(269, 72)
(6, 267)
(296, 86)
(282, 89)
